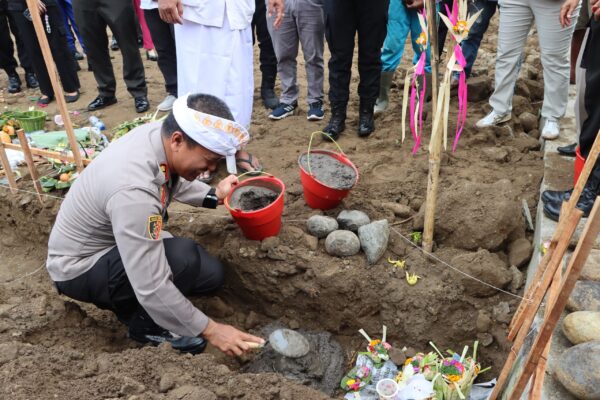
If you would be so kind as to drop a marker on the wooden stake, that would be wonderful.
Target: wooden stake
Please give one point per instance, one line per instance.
(35, 177)
(573, 220)
(47, 153)
(583, 177)
(540, 371)
(58, 91)
(434, 155)
(12, 183)
(540, 287)
(582, 251)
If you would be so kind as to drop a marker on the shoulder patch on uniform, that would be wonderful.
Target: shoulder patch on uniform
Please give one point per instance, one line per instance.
(154, 226)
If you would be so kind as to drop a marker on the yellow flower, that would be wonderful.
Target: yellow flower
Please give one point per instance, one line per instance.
(374, 342)
(350, 382)
(422, 39)
(453, 378)
(408, 361)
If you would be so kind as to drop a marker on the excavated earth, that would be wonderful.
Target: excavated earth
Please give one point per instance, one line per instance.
(53, 347)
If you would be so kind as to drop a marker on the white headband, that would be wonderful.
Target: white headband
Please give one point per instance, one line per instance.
(219, 135)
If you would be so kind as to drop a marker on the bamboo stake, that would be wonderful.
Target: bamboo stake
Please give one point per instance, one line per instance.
(47, 153)
(541, 286)
(583, 178)
(434, 155)
(582, 251)
(540, 371)
(12, 183)
(573, 220)
(35, 177)
(58, 91)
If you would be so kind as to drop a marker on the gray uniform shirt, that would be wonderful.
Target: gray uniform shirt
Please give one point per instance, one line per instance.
(119, 200)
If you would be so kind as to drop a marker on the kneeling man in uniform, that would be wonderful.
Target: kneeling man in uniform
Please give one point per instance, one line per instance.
(107, 246)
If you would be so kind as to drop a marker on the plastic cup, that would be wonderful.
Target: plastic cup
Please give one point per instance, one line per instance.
(387, 389)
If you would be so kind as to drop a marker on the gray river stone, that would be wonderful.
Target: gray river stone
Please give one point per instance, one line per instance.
(374, 239)
(321, 226)
(578, 369)
(582, 326)
(585, 297)
(342, 244)
(289, 343)
(352, 220)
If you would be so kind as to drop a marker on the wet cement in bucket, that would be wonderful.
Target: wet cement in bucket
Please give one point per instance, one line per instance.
(321, 368)
(329, 170)
(252, 198)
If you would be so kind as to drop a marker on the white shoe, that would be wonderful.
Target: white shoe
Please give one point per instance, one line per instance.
(492, 119)
(167, 103)
(551, 129)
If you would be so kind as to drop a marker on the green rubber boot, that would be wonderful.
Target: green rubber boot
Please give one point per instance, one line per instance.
(384, 89)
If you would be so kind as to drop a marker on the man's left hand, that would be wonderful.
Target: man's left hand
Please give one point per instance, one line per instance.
(224, 187)
(566, 11)
(278, 7)
(415, 4)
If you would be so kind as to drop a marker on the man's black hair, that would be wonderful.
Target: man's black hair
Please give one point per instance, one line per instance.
(205, 103)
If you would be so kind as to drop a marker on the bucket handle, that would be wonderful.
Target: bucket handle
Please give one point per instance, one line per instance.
(244, 174)
(312, 135)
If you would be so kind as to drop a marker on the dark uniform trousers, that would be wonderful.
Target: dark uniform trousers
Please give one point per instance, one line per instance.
(195, 272)
(57, 39)
(163, 36)
(7, 59)
(268, 60)
(343, 18)
(589, 130)
(92, 17)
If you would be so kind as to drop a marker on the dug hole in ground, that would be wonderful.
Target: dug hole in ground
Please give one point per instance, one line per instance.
(53, 347)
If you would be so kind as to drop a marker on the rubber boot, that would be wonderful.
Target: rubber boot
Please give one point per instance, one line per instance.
(267, 92)
(383, 100)
(337, 122)
(366, 121)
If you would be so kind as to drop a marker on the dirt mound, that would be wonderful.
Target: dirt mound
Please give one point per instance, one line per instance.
(485, 266)
(476, 215)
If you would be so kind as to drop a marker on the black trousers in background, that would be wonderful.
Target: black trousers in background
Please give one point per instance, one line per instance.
(591, 125)
(260, 32)
(343, 18)
(57, 39)
(7, 49)
(163, 36)
(195, 272)
(92, 17)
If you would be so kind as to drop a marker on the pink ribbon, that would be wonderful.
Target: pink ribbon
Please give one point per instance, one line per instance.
(417, 131)
(462, 95)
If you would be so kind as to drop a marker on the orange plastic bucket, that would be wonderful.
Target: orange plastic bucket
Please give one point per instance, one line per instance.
(579, 163)
(319, 195)
(263, 223)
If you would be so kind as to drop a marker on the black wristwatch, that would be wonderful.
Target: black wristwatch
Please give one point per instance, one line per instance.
(211, 200)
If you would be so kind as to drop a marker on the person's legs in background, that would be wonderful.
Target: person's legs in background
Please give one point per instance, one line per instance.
(267, 58)
(470, 46)
(146, 35)
(164, 40)
(516, 18)
(341, 23)
(372, 29)
(578, 36)
(554, 45)
(398, 26)
(7, 60)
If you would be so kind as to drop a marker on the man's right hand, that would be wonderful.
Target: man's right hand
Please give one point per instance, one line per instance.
(228, 339)
(171, 11)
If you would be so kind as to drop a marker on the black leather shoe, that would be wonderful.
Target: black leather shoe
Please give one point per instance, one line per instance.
(44, 101)
(366, 122)
(157, 336)
(100, 102)
(269, 98)
(337, 122)
(556, 196)
(142, 104)
(14, 84)
(568, 150)
(585, 204)
(31, 80)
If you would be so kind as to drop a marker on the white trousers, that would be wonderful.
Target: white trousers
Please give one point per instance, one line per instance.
(217, 61)
(516, 18)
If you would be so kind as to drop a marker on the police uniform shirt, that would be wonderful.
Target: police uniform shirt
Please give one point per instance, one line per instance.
(120, 200)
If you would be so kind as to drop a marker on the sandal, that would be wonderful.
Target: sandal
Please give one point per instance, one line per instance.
(206, 178)
(256, 171)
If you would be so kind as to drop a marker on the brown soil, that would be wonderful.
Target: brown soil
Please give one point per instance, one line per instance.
(52, 347)
(329, 171)
(252, 198)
